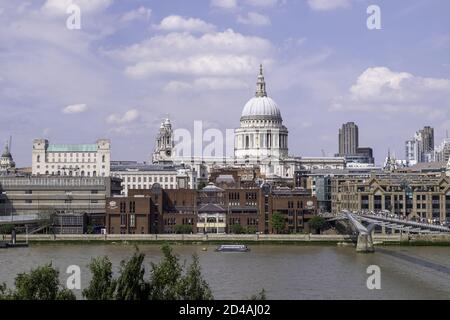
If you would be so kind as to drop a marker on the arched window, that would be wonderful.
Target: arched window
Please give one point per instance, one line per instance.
(38, 158)
(103, 159)
(247, 142)
(94, 174)
(82, 173)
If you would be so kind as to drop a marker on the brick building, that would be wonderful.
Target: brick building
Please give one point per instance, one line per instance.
(210, 210)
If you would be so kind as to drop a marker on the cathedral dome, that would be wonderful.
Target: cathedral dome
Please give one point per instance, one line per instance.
(261, 107)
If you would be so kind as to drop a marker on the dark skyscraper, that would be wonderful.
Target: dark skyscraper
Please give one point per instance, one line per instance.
(349, 145)
(348, 139)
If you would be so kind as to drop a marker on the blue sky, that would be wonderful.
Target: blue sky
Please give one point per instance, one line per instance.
(135, 61)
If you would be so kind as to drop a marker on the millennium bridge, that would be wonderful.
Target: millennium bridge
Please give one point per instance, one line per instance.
(364, 225)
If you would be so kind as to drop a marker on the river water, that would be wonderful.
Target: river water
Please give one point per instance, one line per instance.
(285, 272)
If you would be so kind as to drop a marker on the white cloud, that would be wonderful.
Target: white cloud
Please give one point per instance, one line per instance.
(75, 108)
(224, 4)
(59, 7)
(207, 84)
(225, 53)
(128, 117)
(200, 65)
(262, 3)
(142, 13)
(379, 89)
(178, 23)
(323, 5)
(255, 19)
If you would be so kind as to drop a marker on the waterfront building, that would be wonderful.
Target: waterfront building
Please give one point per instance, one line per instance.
(84, 160)
(318, 182)
(47, 195)
(261, 141)
(411, 194)
(142, 176)
(209, 210)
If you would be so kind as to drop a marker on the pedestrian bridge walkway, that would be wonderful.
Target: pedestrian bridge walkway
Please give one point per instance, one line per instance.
(365, 239)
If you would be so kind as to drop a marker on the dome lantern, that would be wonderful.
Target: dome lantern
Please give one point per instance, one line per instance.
(261, 84)
(261, 107)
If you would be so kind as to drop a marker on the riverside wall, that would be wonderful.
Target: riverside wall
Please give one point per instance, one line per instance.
(435, 239)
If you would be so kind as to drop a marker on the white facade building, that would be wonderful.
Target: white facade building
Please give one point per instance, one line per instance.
(442, 152)
(142, 176)
(164, 144)
(260, 141)
(88, 160)
(7, 163)
(262, 135)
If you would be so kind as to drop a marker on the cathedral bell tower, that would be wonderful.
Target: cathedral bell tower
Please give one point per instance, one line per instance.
(164, 144)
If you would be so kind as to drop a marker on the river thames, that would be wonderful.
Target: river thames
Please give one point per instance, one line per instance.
(285, 272)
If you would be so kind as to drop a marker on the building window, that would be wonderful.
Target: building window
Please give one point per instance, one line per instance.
(123, 207)
(132, 220)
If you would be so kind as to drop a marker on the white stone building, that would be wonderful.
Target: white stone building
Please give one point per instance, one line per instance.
(7, 163)
(261, 140)
(88, 160)
(136, 176)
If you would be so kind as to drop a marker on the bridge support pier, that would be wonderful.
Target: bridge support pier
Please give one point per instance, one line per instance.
(365, 243)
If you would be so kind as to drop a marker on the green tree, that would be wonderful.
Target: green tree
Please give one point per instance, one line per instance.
(165, 277)
(183, 229)
(278, 222)
(193, 286)
(5, 293)
(41, 283)
(131, 284)
(251, 230)
(317, 223)
(102, 284)
(237, 229)
(260, 296)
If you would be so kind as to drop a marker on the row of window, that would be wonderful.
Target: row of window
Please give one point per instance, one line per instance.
(71, 173)
(147, 187)
(144, 179)
(70, 167)
(38, 159)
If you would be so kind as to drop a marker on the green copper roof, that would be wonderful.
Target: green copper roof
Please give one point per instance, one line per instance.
(72, 148)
